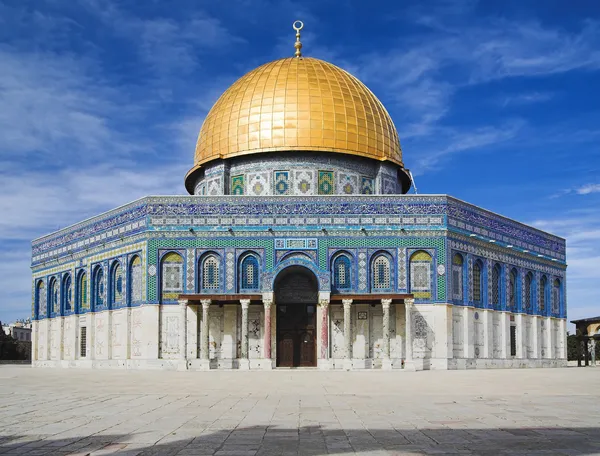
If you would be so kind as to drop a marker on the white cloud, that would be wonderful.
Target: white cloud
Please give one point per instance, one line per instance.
(587, 189)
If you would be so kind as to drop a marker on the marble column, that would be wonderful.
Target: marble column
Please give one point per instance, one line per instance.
(267, 303)
(387, 362)
(347, 333)
(408, 338)
(204, 349)
(244, 362)
(323, 361)
(183, 303)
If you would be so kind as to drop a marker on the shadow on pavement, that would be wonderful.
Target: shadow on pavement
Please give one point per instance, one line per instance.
(317, 440)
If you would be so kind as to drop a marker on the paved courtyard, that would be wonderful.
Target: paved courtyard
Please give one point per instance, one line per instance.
(305, 412)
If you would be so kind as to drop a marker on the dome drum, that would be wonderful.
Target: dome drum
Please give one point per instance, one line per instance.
(297, 173)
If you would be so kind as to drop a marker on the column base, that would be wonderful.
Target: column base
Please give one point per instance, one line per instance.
(267, 364)
(347, 364)
(205, 364)
(409, 366)
(324, 364)
(182, 365)
(244, 364)
(386, 364)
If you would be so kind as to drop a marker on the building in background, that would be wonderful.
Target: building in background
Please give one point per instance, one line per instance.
(299, 246)
(18, 330)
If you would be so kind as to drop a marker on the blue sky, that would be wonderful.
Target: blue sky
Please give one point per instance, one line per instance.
(496, 103)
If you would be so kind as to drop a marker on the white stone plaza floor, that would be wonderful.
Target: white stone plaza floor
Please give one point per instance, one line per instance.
(305, 412)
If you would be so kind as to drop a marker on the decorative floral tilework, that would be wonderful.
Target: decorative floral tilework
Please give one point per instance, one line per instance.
(237, 185)
(326, 183)
(367, 186)
(281, 184)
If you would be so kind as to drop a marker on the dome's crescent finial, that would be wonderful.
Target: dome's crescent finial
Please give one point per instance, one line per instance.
(298, 25)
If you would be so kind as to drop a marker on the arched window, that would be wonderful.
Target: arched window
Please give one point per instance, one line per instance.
(67, 294)
(116, 284)
(496, 286)
(543, 286)
(210, 273)
(341, 273)
(512, 289)
(457, 277)
(420, 275)
(83, 302)
(249, 273)
(41, 299)
(381, 273)
(135, 280)
(528, 292)
(172, 276)
(54, 296)
(477, 281)
(556, 296)
(99, 288)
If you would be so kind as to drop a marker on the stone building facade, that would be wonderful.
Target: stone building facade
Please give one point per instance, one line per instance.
(298, 246)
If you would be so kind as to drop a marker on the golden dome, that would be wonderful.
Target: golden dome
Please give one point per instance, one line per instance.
(297, 104)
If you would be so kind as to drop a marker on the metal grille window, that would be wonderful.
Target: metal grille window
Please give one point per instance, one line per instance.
(381, 273)
(99, 291)
(420, 275)
(54, 303)
(457, 277)
(250, 273)
(556, 296)
(135, 281)
(341, 272)
(477, 282)
(496, 286)
(67, 293)
(512, 289)
(83, 342)
(117, 284)
(82, 293)
(41, 299)
(172, 276)
(528, 291)
(210, 273)
(543, 286)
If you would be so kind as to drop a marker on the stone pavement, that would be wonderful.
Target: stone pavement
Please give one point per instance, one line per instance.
(304, 412)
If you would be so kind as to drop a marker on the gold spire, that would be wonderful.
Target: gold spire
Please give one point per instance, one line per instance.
(298, 25)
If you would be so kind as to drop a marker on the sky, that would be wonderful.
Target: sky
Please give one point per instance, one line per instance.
(496, 103)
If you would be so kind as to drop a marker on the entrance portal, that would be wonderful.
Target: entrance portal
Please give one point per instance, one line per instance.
(296, 296)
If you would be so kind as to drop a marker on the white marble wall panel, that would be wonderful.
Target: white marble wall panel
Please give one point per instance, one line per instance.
(336, 329)
(255, 332)
(457, 332)
(101, 335)
(423, 321)
(397, 342)
(216, 327)
(231, 342)
(360, 331)
(376, 333)
(170, 326)
(497, 336)
(120, 333)
(478, 337)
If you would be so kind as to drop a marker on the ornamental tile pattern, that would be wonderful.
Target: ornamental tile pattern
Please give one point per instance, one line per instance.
(326, 183)
(282, 182)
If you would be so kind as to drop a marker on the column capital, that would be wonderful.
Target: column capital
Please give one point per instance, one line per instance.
(409, 302)
(324, 298)
(206, 303)
(386, 303)
(183, 302)
(245, 303)
(347, 302)
(267, 302)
